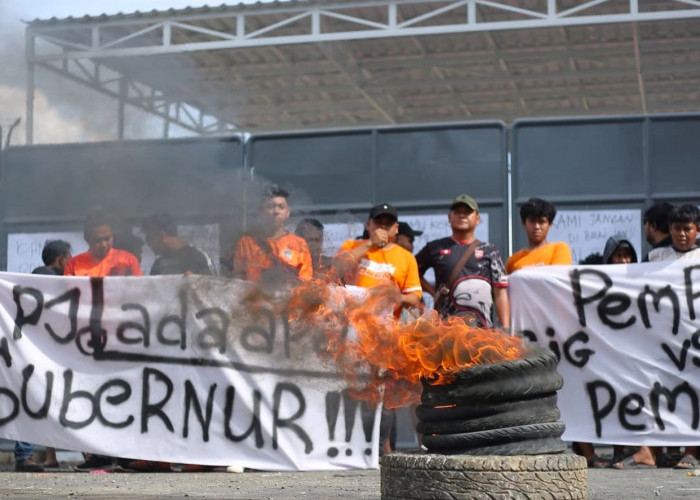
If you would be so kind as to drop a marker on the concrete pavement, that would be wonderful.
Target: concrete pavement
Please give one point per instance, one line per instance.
(603, 484)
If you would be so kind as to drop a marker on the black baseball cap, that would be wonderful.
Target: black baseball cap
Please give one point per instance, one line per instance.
(383, 209)
(407, 230)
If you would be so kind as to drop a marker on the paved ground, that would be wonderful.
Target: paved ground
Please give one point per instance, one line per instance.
(604, 484)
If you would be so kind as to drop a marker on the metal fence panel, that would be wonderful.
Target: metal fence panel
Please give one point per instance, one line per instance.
(603, 172)
(131, 178)
(418, 168)
(674, 153)
(333, 170)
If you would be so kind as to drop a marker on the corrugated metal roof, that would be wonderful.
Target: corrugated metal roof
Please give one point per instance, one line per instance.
(205, 9)
(617, 68)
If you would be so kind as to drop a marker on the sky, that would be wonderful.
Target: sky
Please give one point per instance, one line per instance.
(65, 111)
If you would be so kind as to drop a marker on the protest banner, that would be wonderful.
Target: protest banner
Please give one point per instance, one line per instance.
(628, 342)
(172, 368)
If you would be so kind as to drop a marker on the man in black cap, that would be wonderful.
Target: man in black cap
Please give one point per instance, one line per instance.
(470, 277)
(406, 236)
(378, 259)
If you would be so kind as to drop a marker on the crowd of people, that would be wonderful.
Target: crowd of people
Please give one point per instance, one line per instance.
(471, 277)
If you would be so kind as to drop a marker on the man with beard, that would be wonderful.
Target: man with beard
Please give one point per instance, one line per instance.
(470, 277)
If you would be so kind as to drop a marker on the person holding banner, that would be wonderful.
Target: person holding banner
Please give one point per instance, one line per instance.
(55, 255)
(269, 251)
(469, 274)
(683, 223)
(174, 255)
(537, 216)
(101, 259)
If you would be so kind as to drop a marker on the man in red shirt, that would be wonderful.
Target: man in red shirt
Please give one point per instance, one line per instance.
(101, 259)
(270, 251)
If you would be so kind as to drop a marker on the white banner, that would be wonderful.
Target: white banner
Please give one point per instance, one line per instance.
(172, 369)
(628, 339)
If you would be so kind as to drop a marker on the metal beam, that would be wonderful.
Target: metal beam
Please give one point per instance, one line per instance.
(312, 31)
(186, 116)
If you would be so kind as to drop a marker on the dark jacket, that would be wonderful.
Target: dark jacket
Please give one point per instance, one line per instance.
(612, 244)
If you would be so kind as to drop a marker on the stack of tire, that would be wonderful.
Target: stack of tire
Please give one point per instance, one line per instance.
(507, 408)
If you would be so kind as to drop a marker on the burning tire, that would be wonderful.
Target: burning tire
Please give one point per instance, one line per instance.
(418, 476)
(534, 375)
(486, 409)
(516, 417)
(505, 408)
(514, 435)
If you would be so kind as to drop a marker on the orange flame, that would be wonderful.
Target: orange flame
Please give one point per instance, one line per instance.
(389, 356)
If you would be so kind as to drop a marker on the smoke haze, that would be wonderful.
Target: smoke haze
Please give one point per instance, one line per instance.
(66, 111)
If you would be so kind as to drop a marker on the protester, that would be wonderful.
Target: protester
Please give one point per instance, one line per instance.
(537, 216)
(379, 260)
(101, 259)
(406, 236)
(312, 232)
(619, 251)
(470, 276)
(683, 224)
(174, 255)
(269, 252)
(55, 255)
(656, 226)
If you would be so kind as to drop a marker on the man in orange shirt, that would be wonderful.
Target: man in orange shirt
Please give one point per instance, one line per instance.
(270, 251)
(101, 259)
(379, 260)
(537, 216)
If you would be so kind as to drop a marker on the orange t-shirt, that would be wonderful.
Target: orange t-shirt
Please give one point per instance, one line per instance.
(393, 264)
(250, 260)
(116, 263)
(551, 254)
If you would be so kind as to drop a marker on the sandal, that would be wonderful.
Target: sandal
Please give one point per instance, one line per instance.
(596, 462)
(631, 463)
(687, 462)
